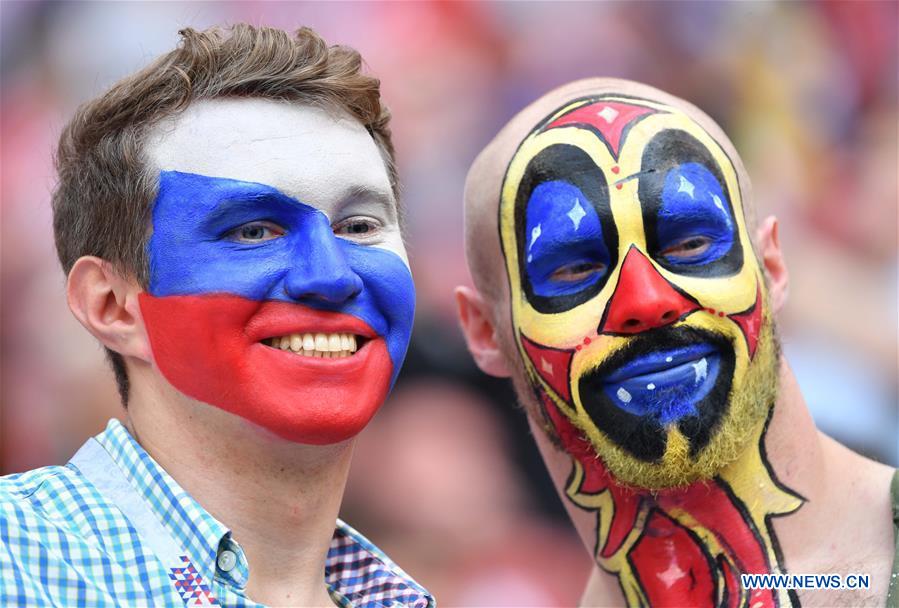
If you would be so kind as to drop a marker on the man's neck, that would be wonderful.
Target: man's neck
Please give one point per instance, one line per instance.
(795, 501)
(279, 499)
(845, 525)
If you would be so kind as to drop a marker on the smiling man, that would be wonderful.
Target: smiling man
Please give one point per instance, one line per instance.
(228, 222)
(623, 285)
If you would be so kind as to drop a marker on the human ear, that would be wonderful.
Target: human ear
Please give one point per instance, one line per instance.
(480, 333)
(768, 247)
(106, 304)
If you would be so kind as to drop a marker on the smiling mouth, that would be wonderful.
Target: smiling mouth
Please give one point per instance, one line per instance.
(318, 345)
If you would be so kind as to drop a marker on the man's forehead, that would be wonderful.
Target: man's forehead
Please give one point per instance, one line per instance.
(317, 156)
(488, 171)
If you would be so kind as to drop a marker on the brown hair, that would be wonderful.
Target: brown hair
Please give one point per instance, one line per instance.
(102, 203)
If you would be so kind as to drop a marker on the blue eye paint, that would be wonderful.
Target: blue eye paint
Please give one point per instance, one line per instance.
(190, 254)
(687, 210)
(694, 205)
(566, 236)
(564, 232)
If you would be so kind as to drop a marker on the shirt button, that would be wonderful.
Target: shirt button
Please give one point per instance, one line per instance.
(226, 561)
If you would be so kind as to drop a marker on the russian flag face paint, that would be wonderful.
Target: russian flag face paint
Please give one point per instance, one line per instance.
(237, 269)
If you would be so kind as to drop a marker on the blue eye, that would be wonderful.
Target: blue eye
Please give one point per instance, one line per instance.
(687, 250)
(694, 225)
(255, 232)
(564, 249)
(576, 272)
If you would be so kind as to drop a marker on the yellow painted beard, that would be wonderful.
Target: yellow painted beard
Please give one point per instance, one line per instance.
(751, 395)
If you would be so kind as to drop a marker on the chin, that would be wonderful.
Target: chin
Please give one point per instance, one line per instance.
(699, 447)
(658, 445)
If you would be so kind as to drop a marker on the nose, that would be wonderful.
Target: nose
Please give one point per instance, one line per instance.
(319, 268)
(643, 299)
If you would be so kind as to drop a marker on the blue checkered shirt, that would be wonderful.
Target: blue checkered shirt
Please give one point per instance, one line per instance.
(63, 543)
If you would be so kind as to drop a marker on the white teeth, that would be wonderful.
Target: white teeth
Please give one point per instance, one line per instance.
(321, 342)
(321, 346)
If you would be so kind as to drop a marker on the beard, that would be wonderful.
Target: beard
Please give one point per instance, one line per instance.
(646, 452)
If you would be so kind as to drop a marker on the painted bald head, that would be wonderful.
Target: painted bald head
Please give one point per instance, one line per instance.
(608, 230)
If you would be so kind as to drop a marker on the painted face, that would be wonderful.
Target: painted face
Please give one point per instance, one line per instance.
(279, 289)
(638, 306)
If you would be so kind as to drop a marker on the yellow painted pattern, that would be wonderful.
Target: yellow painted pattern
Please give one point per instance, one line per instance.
(566, 330)
(734, 455)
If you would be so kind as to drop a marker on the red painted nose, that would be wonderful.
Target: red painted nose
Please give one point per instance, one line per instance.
(643, 299)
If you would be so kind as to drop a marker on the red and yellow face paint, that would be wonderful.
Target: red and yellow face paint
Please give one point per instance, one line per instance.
(637, 300)
(640, 313)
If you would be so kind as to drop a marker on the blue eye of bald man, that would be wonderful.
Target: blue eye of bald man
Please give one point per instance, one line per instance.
(694, 225)
(690, 248)
(572, 273)
(565, 251)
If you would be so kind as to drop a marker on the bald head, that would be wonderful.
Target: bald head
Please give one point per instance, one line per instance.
(485, 177)
(613, 221)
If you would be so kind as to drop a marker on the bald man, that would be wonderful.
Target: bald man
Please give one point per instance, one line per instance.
(623, 284)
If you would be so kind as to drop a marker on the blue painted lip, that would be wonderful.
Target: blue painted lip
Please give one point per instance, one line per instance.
(664, 363)
(666, 385)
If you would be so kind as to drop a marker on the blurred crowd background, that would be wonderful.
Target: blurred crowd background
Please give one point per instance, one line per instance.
(446, 479)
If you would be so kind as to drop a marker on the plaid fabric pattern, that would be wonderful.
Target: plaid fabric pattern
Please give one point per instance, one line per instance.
(64, 544)
(359, 574)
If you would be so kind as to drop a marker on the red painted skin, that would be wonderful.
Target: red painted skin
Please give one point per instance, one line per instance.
(610, 118)
(643, 299)
(673, 566)
(209, 347)
(671, 562)
(552, 364)
(750, 322)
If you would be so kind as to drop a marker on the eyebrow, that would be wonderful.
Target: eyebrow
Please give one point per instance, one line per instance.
(228, 206)
(378, 196)
(229, 196)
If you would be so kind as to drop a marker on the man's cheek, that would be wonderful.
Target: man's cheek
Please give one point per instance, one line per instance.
(202, 346)
(387, 303)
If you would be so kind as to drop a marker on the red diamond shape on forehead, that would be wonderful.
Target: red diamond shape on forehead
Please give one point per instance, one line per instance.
(610, 120)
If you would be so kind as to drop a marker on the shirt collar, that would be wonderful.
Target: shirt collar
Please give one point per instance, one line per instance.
(359, 574)
(356, 571)
(189, 524)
